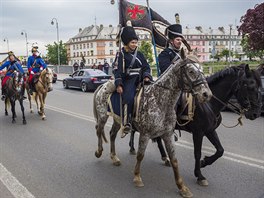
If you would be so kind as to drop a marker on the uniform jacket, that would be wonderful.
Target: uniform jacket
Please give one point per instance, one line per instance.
(124, 61)
(166, 57)
(39, 63)
(11, 67)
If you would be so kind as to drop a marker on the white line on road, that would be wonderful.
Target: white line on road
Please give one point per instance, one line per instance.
(13, 185)
(181, 143)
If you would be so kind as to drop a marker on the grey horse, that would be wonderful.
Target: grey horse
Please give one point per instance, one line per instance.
(156, 115)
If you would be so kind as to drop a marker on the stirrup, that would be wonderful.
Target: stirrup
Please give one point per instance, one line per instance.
(126, 130)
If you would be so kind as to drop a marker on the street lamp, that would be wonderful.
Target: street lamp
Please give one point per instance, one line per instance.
(57, 26)
(22, 33)
(230, 25)
(6, 40)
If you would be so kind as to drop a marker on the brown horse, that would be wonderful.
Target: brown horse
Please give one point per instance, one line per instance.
(42, 87)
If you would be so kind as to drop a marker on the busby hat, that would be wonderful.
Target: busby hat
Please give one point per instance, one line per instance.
(174, 31)
(128, 34)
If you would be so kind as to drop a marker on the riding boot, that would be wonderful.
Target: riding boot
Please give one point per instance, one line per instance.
(3, 97)
(127, 123)
(30, 86)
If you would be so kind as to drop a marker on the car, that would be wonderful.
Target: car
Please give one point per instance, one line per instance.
(86, 79)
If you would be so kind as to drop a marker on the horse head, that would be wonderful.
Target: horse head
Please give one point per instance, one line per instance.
(191, 79)
(248, 93)
(46, 77)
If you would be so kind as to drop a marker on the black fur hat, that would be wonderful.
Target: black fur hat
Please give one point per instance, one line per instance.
(128, 34)
(174, 31)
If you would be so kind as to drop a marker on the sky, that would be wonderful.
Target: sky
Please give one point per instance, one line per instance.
(34, 17)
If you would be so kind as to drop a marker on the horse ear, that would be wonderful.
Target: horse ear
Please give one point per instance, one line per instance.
(247, 70)
(183, 55)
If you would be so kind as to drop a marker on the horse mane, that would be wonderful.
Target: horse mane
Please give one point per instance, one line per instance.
(193, 58)
(220, 74)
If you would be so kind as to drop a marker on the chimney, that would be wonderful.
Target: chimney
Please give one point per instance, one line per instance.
(80, 29)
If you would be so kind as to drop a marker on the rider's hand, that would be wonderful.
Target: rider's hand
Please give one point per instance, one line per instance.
(31, 72)
(41, 68)
(119, 89)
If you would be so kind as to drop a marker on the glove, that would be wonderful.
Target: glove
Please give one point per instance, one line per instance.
(41, 68)
(31, 72)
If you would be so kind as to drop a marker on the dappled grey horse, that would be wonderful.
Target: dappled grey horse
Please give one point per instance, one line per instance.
(156, 115)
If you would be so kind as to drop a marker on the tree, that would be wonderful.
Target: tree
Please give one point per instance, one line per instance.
(146, 49)
(52, 53)
(225, 53)
(249, 51)
(252, 27)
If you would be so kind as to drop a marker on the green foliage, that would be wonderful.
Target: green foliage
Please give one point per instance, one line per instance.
(146, 49)
(225, 53)
(249, 50)
(52, 53)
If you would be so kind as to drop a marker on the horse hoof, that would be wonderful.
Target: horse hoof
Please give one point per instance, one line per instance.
(138, 183)
(31, 111)
(43, 118)
(185, 192)
(167, 163)
(117, 163)
(132, 152)
(13, 121)
(24, 122)
(6, 114)
(98, 154)
(203, 182)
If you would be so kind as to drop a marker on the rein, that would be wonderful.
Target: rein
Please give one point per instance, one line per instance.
(235, 109)
(42, 83)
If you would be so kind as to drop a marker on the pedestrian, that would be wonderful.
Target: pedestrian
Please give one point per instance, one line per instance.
(100, 66)
(82, 65)
(131, 70)
(106, 67)
(75, 66)
(94, 66)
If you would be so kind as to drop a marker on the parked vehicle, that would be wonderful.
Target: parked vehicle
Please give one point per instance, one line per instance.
(86, 79)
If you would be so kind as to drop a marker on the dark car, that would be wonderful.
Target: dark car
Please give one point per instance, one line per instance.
(86, 79)
(54, 77)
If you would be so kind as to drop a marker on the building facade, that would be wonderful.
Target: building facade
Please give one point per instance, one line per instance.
(96, 44)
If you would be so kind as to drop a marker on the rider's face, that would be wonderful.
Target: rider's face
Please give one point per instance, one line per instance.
(177, 42)
(11, 58)
(133, 44)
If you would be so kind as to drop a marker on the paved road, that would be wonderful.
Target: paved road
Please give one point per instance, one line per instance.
(55, 158)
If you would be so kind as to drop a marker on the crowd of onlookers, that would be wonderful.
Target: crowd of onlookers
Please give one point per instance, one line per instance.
(104, 67)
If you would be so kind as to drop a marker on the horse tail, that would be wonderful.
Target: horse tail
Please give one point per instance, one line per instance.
(8, 103)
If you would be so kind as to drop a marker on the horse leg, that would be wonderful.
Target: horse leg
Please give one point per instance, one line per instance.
(214, 139)
(101, 135)
(13, 110)
(131, 143)
(6, 104)
(30, 101)
(42, 105)
(197, 142)
(142, 145)
(184, 190)
(163, 153)
(23, 110)
(113, 133)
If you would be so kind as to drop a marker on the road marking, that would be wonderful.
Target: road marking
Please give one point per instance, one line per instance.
(13, 185)
(182, 143)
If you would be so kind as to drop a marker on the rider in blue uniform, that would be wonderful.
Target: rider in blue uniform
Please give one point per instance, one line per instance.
(175, 37)
(35, 65)
(131, 70)
(11, 65)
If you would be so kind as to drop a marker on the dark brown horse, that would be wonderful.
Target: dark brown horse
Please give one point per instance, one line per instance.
(15, 89)
(239, 81)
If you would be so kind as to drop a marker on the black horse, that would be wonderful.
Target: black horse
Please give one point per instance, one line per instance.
(239, 81)
(15, 89)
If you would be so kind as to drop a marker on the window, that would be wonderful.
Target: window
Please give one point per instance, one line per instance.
(111, 52)
(111, 60)
(111, 44)
(88, 53)
(84, 53)
(87, 45)
(77, 54)
(73, 47)
(84, 46)
(91, 52)
(91, 45)
(80, 46)
(210, 50)
(88, 61)
(77, 46)
(74, 54)
(81, 73)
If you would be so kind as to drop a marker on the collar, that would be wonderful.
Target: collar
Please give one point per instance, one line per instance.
(173, 48)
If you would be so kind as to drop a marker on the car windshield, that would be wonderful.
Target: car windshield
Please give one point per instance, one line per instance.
(96, 72)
